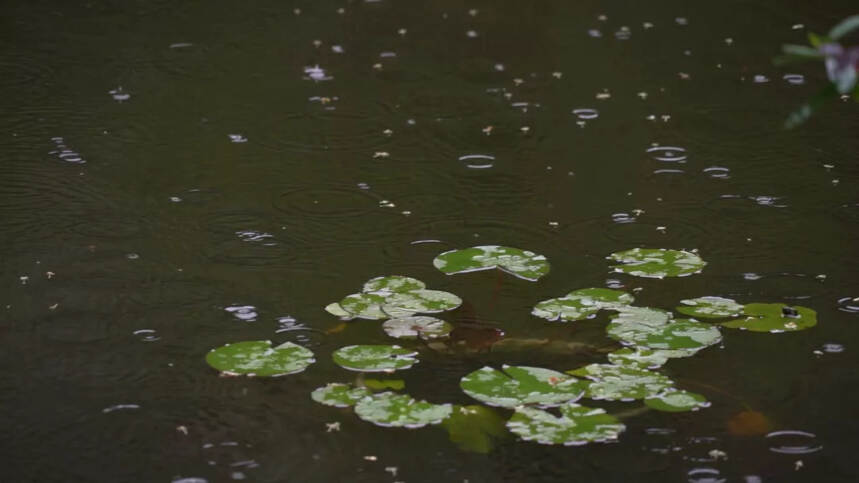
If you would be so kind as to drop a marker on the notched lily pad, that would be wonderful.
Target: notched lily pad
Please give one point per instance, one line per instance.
(581, 304)
(710, 307)
(339, 395)
(374, 358)
(259, 358)
(519, 263)
(677, 401)
(389, 409)
(392, 296)
(576, 426)
(657, 262)
(774, 318)
(427, 328)
(519, 385)
(621, 383)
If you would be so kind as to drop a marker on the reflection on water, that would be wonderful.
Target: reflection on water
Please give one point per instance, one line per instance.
(171, 164)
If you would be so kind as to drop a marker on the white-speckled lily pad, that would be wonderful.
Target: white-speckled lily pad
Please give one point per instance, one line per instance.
(581, 304)
(638, 357)
(520, 263)
(710, 307)
(657, 262)
(392, 296)
(772, 318)
(680, 334)
(621, 383)
(415, 326)
(374, 358)
(339, 395)
(677, 401)
(393, 284)
(576, 426)
(519, 385)
(389, 409)
(422, 301)
(259, 358)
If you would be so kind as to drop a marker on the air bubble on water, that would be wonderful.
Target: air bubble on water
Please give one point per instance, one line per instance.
(833, 348)
(477, 161)
(773, 201)
(622, 218)
(132, 256)
(472, 34)
(245, 313)
(586, 113)
(175, 199)
(316, 74)
(793, 442)
(119, 94)
(795, 79)
(594, 33)
(752, 276)
(237, 138)
(337, 49)
(614, 284)
(146, 335)
(623, 33)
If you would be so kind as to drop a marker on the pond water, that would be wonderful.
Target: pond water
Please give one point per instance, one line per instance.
(177, 176)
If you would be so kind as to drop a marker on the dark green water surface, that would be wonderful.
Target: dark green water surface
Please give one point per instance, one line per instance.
(130, 221)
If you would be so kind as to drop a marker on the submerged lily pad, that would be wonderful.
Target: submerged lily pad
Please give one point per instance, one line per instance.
(576, 426)
(581, 304)
(520, 263)
(677, 401)
(374, 358)
(259, 358)
(474, 428)
(657, 262)
(621, 383)
(383, 384)
(425, 327)
(392, 296)
(519, 385)
(339, 395)
(774, 318)
(389, 409)
(639, 357)
(710, 307)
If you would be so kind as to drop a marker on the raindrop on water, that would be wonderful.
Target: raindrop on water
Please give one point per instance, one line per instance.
(717, 172)
(668, 153)
(146, 335)
(586, 113)
(237, 138)
(477, 161)
(795, 79)
(245, 313)
(793, 442)
(705, 475)
(849, 304)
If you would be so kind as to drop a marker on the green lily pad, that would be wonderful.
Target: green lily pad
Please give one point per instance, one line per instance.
(521, 385)
(519, 263)
(621, 383)
(474, 428)
(576, 426)
(374, 358)
(710, 307)
(393, 296)
(392, 284)
(680, 334)
(657, 262)
(389, 409)
(638, 357)
(677, 401)
(770, 318)
(259, 358)
(339, 395)
(422, 326)
(581, 304)
(422, 300)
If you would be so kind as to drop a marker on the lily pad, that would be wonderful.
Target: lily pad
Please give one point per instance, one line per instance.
(680, 334)
(389, 409)
(519, 263)
(622, 383)
(576, 426)
(259, 358)
(339, 395)
(374, 358)
(710, 307)
(474, 428)
(392, 296)
(639, 357)
(425, 327)
(422, 300)
(393, 284)
(773, 318)
(519, 385)
(364, 306)
(657, 262)
(383, 384)
(581, 304)
(677, 401)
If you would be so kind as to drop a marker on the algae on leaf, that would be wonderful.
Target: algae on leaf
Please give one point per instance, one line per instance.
(519, 385)
(389, 409)
(259, 358)
(374, 358)
(657, 262)
(519, 263)
(576, 426)
(581, 304)
(774, 318)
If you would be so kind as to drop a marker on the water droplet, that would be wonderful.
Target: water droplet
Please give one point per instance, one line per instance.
(760, 79)
(337, 49)
(793, 442)
(472, 34)
(477, 161)
(119, 94)
(833, 348)
(245, 313)
(594, 33)
(768, 201)
(132, 256)
(146, 335)
(316, 74)
(672, 154)
(237, 138)
(622, 218)
(795, 79)
(752, 276)
(623, 33)
(175, 199)
(586, 113)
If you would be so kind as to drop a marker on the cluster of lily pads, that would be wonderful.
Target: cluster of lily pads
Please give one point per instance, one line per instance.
(650, 336)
